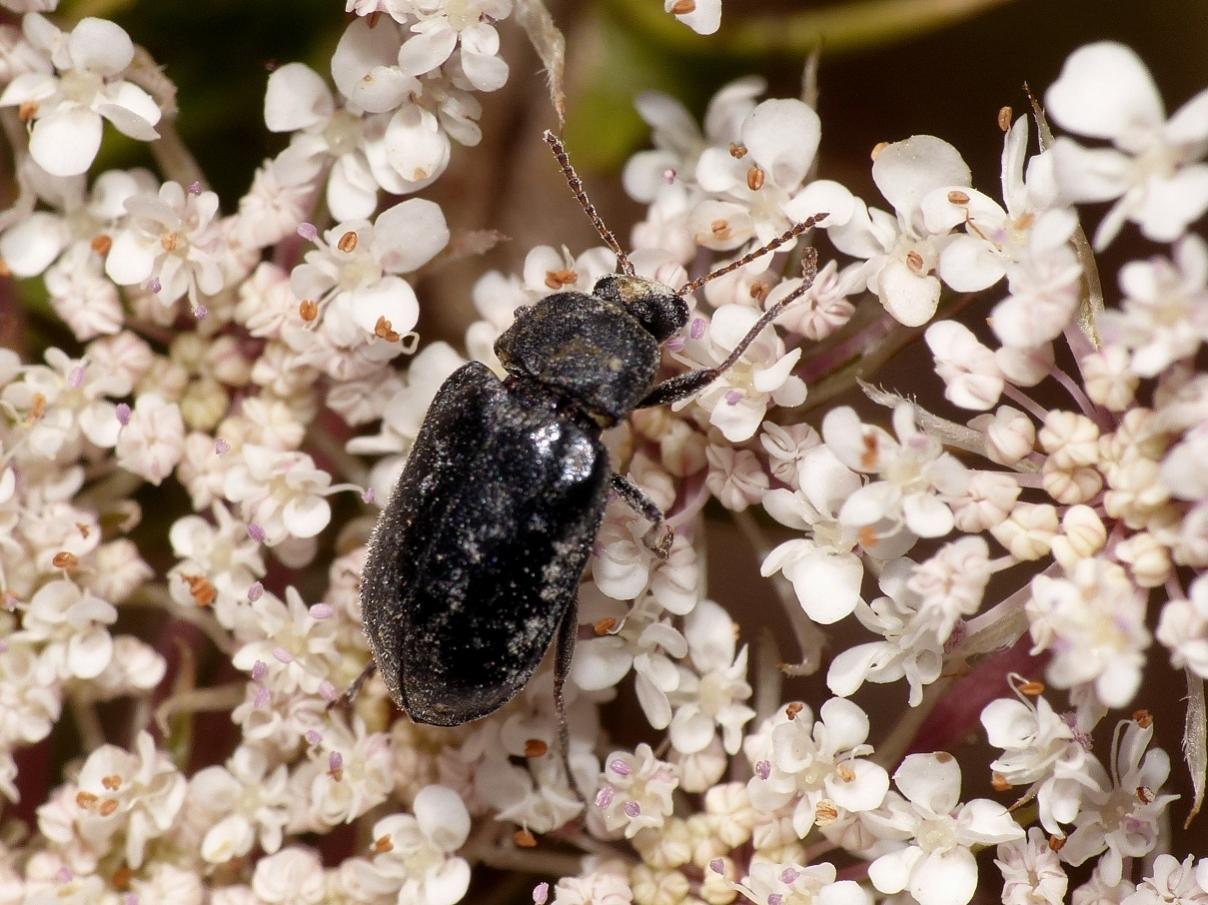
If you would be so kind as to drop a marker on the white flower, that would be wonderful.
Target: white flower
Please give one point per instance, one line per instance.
(1094, 622)
(937, 867)
(909, 648)
(702, 16)
(903, 252)
(71, 623)
(822, 765)
(916, 474)
(281, 492)
(1172, 883)
(292, 876)
(715, 698)
(246, 801)
(971, 375)
(171, 245)
(1041, 749)
(1032, 873)
(66, 108)
(792, 884)
(64, 402)
(643, 642)
(1121, 812)
(738, 400)
(416, 853)
(1164, 315)
(33, 243)
(136, 793)
(152, 440)
(996, 240)
(1105, 91)
(218, 563)
(349, 773)
(291, 648)
(444, 27)
(29, 705)
(1184, 628)
(352, 275)
(635, 791)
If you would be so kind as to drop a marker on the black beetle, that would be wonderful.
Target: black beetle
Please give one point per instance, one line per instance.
(476, 561)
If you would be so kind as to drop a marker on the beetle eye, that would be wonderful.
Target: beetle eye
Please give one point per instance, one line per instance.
(662, 315)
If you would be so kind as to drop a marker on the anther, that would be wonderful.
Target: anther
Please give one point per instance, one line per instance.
(101, 244)
(535, 747)
(65, 560)
(1032, 688)
(1004, 118)
(383, 330)
(348, 242)
(958, 197)
(524, 839)
(737, 151)
(755, 178)
(308, 310)
(683, 7)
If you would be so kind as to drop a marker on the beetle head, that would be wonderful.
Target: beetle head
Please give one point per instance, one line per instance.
(658, 307)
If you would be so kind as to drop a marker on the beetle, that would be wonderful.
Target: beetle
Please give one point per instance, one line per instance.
(475, 563)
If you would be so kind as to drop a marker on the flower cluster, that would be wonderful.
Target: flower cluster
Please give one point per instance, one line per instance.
(252, 365)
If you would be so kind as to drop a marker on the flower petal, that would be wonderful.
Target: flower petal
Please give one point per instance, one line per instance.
(64, 143)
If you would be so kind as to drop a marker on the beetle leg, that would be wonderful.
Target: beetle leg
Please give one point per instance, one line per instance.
(684, 385)
(346, 699)
(567, 630)
(660, 536)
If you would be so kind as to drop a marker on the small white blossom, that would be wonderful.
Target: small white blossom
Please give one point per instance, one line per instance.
(937, 867)
(1105, 91)
(66, 108)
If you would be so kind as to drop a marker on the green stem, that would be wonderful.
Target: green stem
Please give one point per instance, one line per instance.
(836, 28)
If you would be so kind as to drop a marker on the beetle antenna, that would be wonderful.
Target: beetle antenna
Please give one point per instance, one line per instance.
(576, 187)
(787, 236)
(809, 269)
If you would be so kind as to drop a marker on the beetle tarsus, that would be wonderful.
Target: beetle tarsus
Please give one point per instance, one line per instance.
(346, 699)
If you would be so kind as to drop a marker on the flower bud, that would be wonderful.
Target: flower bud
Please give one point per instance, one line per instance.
(1148, 559)
(1028, 534)
(1108, 379)
(1071, 439)
(1073, 485)
(1010, 434)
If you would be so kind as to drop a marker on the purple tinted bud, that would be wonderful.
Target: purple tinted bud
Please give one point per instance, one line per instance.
(313, 736)
(368, 497)
(255, 532)
(221, 447)
(154, 285)
(201, 312)
(763, 769)
(3, 646)
(675, 343)
(733, 397)
(321, 611)
(64, 875)
(604, 796)
(618, 766)
(718, 866)
(281, 655)
(255, 591)
(308, 231)
(260, 701)
(789, 876)
(259, 671)
(195, 187)
(75, 379)
(123, 413)
(328, 691)
(775, 899)
(670, 175)
(131, 899)
(697, 330)
(335, 762)
(632, 809)
(540, 894)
